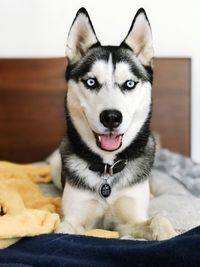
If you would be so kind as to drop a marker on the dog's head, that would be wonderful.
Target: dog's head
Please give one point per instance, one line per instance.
(109, 87)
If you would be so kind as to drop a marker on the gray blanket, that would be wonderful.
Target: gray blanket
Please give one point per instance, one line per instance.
(175, 185)
(183, 169)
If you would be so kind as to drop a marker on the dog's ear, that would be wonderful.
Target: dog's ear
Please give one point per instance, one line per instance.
(81, 36)
(139, 38)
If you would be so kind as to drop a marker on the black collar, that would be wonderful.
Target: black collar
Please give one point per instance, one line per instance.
(107, 169)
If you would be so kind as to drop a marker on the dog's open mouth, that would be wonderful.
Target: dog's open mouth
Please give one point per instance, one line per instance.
(109, 142)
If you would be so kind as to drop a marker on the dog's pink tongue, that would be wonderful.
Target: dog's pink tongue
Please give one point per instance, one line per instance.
(110, 142)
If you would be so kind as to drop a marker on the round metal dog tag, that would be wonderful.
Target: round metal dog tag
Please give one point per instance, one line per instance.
(105, 190)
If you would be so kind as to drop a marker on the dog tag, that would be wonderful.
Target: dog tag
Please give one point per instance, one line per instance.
(105, 190)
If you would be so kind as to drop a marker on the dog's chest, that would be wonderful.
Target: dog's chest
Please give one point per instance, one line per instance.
(95, 181)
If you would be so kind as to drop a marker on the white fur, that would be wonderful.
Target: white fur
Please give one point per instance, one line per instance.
(140, 40)
(126, 208)
(86, 106)
(78, 204)
(126, 212)
(80, 38)
(55, 162)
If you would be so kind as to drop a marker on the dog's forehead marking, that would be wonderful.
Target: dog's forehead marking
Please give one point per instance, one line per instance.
(103, 71)
(110, 76)
(109, 73)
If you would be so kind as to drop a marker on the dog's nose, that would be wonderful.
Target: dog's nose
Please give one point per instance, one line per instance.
(111, 118)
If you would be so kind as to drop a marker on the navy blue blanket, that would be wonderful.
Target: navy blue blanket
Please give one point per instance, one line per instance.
(69, 250)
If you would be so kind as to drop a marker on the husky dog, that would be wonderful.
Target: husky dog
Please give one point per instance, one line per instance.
(108, 151)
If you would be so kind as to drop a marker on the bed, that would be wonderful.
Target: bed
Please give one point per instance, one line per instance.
(32, 126)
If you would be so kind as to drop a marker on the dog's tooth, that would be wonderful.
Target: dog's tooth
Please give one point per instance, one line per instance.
(99, 138)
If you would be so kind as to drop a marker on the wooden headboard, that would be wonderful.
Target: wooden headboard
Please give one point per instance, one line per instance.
(32, 92)
(171, 109)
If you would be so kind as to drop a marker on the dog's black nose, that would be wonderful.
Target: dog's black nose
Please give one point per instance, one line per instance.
(111, 118)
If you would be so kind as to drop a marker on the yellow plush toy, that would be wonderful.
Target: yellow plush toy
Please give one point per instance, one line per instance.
(24, 210)
(102, 233)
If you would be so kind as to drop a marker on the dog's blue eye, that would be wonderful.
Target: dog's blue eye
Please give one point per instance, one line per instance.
(130, 84)
(90, 82)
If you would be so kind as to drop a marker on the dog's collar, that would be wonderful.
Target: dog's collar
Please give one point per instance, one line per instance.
(108, 169)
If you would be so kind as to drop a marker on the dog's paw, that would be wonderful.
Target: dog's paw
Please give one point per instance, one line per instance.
(65, 228)
(161, 228)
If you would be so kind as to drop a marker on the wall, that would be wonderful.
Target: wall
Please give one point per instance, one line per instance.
(38, 28)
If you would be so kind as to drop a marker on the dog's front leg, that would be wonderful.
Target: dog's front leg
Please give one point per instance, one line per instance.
(156, 228)
(129, 212)
(81, 211)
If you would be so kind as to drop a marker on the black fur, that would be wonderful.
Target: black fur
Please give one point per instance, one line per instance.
(77, 70)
